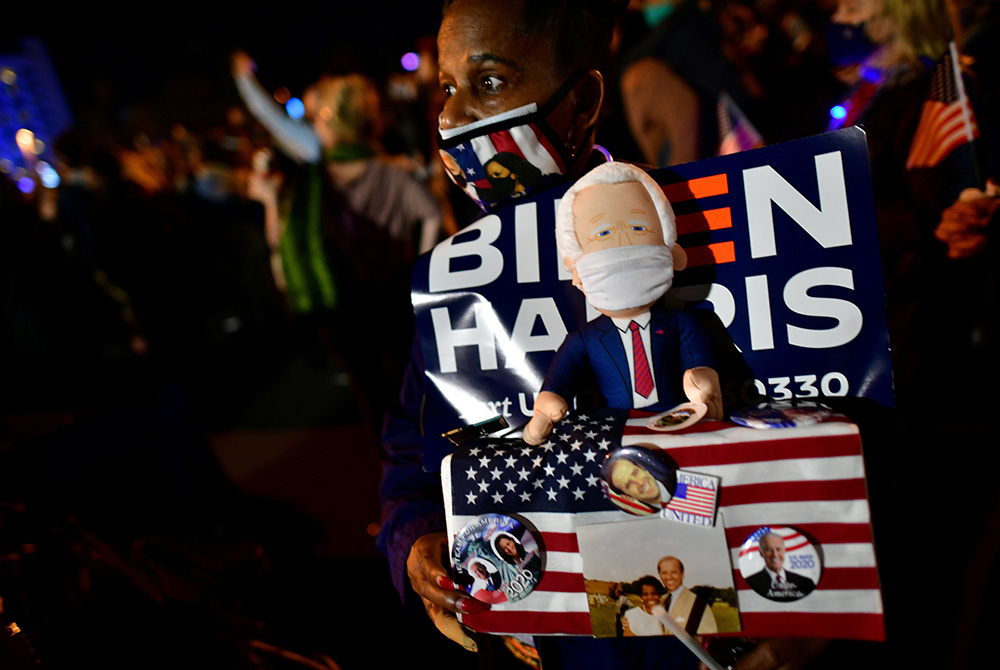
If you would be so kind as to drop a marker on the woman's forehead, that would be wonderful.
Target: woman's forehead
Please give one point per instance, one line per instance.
(478, 32)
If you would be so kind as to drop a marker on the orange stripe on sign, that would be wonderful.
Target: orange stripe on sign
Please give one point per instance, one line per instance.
(711, 254)
(702, 187)
(698, 222)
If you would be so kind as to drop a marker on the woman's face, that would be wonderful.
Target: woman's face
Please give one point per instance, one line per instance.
(486, 67)
(479, 570)
(497, 171)
(650, 598)
(506, 545)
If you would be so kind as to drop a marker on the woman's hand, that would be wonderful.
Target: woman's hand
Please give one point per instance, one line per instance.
(441, 599)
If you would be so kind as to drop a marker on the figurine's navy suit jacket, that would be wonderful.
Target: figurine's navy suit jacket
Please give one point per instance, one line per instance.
(678, 343)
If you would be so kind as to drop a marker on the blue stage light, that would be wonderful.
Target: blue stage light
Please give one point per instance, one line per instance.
(295, 108)
(26, 184)
(48, 175)
(838, 112)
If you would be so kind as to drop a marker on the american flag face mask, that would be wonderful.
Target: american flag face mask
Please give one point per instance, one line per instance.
(509, 155)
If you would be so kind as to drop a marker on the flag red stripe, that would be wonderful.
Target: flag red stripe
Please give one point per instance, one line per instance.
(936, 117)
(502, 141)
(825, 533)
(753, 452)
(544, 140)
(562, 582)
(561, 542)
(834, 489)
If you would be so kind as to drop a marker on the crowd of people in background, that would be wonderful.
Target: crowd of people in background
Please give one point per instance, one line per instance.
(159, 253)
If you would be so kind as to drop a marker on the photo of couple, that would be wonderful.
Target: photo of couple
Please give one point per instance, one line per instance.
(639, 572)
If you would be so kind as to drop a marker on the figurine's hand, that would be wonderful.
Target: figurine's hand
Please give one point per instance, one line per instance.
(549, 409)
(702, 385)
(441, 599)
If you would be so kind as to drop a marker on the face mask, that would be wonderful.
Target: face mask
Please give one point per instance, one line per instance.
(846, 44)
(626, 277)
(509, 155)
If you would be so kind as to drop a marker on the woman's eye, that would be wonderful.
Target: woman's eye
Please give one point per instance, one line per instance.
(449, 90)
(492, 84)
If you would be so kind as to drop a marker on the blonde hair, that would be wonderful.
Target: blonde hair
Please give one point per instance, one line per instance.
(349, 105)
(921, 29)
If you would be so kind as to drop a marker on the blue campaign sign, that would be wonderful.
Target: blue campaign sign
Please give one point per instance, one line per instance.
(784, 266)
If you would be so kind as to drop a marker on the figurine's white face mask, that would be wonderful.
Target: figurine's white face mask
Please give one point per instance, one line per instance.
(626, 277)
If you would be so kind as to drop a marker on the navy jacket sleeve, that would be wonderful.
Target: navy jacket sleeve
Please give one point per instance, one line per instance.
(412, 505)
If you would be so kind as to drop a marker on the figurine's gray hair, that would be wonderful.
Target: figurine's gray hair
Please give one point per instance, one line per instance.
(609, 173)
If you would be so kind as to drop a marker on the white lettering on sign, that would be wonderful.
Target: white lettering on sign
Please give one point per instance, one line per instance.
(481, 335)
(829, 224)
(759, 313)
(848, 315)
(522, 341)
(526, 243)
(442, 278)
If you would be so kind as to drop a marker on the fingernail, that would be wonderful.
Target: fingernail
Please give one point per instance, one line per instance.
(446, 583)
(472, 606)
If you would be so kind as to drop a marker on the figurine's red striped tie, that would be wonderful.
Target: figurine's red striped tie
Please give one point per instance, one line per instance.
(643, 378)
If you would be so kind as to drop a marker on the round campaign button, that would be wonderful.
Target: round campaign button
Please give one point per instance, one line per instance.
(638, 479)
(782, 414)
(497, 558)
(682, 416)
(779, 563)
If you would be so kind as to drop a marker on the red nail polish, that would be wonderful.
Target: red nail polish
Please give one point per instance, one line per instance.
(446, 583)
(472, 606)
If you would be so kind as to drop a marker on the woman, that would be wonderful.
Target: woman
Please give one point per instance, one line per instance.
(644, 620)
(907, 63)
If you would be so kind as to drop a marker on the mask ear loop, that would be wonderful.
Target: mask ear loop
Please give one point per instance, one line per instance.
(542, 114)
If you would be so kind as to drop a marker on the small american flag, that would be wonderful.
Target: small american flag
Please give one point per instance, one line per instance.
(946, 121)
(736, 133)
(809, 478)
(693, 499)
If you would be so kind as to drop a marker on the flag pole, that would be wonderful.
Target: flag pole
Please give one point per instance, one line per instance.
(689, 642)
(956, 70)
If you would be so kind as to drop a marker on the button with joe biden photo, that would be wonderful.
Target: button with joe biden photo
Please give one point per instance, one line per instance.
(780, 563)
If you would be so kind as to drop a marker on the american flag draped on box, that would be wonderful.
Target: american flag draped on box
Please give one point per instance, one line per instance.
(810, 478)
(946, 121)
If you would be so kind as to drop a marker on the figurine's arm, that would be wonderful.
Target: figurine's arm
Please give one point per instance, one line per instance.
(701, 384)
(549, 408)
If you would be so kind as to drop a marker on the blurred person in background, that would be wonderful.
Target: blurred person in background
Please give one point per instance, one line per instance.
(672, 81)
(351, 225)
